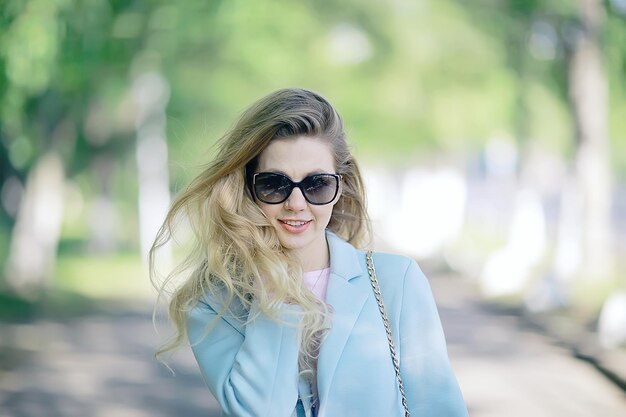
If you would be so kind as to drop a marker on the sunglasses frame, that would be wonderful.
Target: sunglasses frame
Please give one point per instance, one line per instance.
(294, 184)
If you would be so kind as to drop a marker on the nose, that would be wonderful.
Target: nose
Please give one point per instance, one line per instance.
(296, 201)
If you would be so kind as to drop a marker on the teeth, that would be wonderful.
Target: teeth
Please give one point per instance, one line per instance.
(295, 224)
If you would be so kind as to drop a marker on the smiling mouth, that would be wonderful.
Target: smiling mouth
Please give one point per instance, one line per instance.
(294, 223)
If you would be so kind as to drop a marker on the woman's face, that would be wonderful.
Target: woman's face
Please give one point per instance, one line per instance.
(300, 225)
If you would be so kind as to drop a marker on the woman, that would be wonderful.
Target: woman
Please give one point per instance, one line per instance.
(278, 307)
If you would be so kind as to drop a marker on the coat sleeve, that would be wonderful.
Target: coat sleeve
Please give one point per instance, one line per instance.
(250, 374)
(430, 385)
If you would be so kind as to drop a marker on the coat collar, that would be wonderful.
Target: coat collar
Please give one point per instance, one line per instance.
(344, 259)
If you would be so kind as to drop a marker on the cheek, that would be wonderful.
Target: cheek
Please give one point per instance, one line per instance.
(324, 212)
(269, 210)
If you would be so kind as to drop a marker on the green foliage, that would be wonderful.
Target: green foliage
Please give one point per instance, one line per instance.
(16, 308)
(4, 243)
(409, 78)
(443, 74)
(615, 41)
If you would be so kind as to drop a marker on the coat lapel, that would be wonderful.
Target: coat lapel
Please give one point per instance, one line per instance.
(347, 298)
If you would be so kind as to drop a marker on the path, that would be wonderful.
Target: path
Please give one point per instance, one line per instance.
(101, 365)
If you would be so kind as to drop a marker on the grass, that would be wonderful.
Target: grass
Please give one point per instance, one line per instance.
(84, 284)
(110, 277)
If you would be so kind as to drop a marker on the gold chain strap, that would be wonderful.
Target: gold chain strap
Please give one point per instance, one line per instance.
(383, 313)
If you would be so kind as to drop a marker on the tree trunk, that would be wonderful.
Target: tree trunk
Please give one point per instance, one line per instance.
(151, 93)
(37, 230)
(589, 101)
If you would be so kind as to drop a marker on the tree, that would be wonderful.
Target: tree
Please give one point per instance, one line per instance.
(561, 45)
(60, 69)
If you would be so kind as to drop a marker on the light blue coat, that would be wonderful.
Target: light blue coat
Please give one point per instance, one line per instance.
(252, 370)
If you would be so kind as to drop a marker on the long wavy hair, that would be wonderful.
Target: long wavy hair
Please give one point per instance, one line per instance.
(235, 244)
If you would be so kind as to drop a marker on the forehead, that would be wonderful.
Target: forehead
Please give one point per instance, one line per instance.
(297, 157)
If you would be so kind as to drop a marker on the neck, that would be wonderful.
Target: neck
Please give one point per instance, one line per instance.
(314, 257)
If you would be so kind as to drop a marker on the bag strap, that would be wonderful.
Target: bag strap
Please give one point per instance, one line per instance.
(394, 357)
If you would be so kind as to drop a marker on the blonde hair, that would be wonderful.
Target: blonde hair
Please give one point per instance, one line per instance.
(235, 244)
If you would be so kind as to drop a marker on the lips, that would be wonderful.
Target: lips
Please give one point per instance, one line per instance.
(294, 226)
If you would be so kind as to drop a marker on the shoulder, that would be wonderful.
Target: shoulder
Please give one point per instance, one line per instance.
(398, 265)
(349, 262)
(400, 273)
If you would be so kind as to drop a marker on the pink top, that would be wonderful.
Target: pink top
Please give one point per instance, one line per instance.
(317, 282)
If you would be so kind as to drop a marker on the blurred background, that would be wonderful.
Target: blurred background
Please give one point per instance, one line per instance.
(492, 135)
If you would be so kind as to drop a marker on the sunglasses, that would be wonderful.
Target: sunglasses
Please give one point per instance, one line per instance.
(317, 189)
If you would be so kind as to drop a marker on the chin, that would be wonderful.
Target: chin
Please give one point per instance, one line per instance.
(295, 242)
(291, 242)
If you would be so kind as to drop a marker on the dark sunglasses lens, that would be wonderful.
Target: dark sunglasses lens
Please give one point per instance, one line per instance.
(320, 189)
(272, 188)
